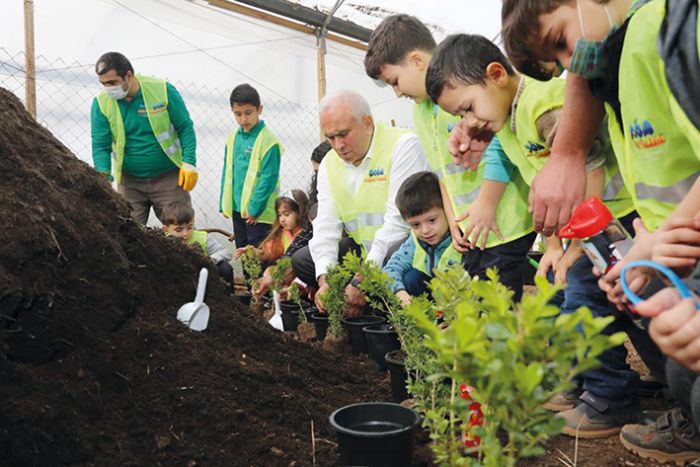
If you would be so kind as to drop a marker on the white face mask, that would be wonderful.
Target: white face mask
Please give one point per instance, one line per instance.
(116, 92)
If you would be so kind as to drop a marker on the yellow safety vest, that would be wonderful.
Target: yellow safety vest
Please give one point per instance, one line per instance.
(420, 257)
(433, 130)
(529, 151)
(661, 160)
(362, 212)
(155, 99)
(263, 143)
(200, 238)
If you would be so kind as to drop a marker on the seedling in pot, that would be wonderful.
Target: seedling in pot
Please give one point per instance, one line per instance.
(294, 295)
(337, 278)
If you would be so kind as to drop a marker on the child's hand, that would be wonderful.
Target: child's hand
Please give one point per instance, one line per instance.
(570, 256)
(262, 285)
(550, 260)
(679, 246)
(458, 243)
(403, 297)
(482, 221)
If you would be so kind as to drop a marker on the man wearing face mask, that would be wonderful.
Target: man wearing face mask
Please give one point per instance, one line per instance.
(142, 137)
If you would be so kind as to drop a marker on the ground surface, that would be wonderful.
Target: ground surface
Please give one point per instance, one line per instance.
(94, 368)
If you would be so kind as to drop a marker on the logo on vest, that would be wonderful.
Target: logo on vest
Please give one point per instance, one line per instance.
(536, 150)
(643, 135)
(375, 175)
(158, 107)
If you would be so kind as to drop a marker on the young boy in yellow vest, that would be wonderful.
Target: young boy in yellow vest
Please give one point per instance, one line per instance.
(142, 137)
(469, 76)
(178, 222)
(398, 54)
(429, 246)
(642, 59)
(250, 176)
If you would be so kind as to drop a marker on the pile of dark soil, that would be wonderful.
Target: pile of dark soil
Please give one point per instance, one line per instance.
(94, 367)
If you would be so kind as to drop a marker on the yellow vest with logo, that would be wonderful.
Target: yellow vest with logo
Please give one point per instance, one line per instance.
(529, 151)
(200, 238)
(433, 130)
(263, 143)
(362, 212)
(661, 160)
(155, 99)
(420, 257)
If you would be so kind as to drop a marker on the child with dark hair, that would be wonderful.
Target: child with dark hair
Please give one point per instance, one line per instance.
(398, 53)
(429, 246)
(178, 222)
(250, 175)
(470, 76)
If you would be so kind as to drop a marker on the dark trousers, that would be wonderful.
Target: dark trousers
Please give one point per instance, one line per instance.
(249, 234)
(304, 267)
(416, 282)
(684, 385)
(614, 379)
(509, 258)
(225, 270)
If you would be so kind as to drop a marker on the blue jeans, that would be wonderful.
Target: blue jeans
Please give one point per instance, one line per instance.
(614, 379)
(416, 282)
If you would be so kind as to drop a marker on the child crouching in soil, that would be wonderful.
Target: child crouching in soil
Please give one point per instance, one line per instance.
(178, 222)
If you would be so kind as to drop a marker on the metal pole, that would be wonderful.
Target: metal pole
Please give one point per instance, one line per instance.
(29, 62)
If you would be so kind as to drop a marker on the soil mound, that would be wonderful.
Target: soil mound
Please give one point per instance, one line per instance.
(94, 367)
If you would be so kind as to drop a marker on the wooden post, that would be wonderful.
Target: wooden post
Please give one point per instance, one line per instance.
(321, 71)
(29, 62)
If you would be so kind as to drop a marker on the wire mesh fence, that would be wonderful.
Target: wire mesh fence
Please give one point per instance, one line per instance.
(65, 91)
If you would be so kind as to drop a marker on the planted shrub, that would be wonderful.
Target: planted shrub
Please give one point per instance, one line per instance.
(252, 267)
(515, 357)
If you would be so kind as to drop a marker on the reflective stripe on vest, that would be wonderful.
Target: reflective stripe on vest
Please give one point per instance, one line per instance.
(528, 150)
(155, 99)
(371, 194)
(662, 147)
(433, 130)
(420, 257)
(200, 238)
(263, 143)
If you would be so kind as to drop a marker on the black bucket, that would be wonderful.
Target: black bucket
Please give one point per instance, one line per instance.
(321, 324)
(356, 337)
(381, 339)
(397, 372)
(244, 298)
(290, 314)
(308, 312)
(375, 434)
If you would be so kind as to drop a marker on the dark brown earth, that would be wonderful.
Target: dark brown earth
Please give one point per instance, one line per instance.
(96, 370)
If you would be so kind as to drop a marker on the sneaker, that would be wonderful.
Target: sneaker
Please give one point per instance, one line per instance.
(563, 401)
(649, 417)
(596, 417)
(673, 438)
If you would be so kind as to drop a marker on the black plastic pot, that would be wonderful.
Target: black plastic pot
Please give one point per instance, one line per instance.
(245, 298)
(381, 339)
(321, 324)
(289, 317)
(398, 374)
(375, 434)
(356, 337)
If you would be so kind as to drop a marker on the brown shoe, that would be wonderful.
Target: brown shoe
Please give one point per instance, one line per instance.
(563, 401)
(673, 438)
(596, 417)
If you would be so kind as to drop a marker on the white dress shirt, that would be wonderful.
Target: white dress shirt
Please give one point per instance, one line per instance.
(407, 159)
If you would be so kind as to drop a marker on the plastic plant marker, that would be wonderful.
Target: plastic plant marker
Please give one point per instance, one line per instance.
(676, 281)
(276, 320)
(196, 314)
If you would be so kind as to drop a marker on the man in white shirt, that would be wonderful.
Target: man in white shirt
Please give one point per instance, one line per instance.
(368, 161)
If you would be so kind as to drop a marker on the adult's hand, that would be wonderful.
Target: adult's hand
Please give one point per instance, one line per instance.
(250, 219)
(188, 176)
(554, 192)
(675, 326)
(262, 285)
(318, 298)
(354, 301)
(467, 145)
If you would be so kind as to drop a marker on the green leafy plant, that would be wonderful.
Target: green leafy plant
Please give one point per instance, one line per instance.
(515, 358)
(278, 272)
(252, 266)
(294, 295)
(337, 278)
